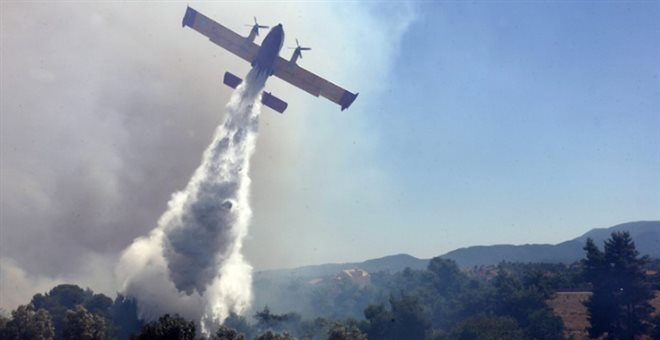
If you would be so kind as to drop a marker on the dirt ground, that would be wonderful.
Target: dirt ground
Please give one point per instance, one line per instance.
(568, 306)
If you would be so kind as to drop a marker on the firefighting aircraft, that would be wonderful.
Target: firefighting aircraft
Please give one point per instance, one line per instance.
(266, 59)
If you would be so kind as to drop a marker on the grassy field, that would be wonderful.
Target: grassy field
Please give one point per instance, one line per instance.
(568, 306)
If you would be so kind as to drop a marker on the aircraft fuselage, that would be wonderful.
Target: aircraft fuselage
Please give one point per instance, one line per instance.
(266, 60)
(269, 50)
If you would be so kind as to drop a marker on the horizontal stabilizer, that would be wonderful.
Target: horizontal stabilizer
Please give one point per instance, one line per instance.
(267, 99)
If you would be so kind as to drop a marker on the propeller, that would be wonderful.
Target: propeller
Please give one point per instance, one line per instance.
(298, 49)
(256, 26)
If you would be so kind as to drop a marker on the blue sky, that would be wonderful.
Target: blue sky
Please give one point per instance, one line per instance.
(505, 122)
(524, 121)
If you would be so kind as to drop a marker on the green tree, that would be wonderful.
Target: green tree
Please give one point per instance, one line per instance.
(226, 333)
(406, 320)
(269, 335)
(525, 302)
(167, 328)
(487, 328)
(79, 324)
(448, 293)
(29, 324)
(66, 297)
(447, 277)
(380, 321)
(3, 319)
(348, 331)
(240, 324)
(3, 324)
(619, 304)
(98, 304)
(60, 299)
(277, 322)
(124, 316)
(655, 333)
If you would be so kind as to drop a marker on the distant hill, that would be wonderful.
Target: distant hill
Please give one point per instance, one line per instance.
(305, 289)
(392, 263)
(646, 235)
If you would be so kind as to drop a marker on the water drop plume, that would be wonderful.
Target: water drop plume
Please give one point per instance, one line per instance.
(191, 263)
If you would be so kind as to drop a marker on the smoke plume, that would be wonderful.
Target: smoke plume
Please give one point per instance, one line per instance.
(191, 263)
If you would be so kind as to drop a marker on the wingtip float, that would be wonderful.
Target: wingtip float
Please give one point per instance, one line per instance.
(265, 58)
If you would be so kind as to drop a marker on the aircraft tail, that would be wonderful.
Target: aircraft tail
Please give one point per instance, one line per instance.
(267, 98)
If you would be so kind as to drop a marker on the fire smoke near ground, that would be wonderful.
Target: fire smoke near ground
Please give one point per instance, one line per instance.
(191, 263)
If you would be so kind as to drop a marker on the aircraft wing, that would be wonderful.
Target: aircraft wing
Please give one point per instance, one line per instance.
(220, 35)
(313, 84)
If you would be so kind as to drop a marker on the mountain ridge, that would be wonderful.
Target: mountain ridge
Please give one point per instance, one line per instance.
(646, 235)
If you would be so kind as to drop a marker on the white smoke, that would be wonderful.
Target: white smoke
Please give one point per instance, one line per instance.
(191, 263)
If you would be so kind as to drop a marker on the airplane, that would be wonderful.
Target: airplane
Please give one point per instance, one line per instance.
(265, 58)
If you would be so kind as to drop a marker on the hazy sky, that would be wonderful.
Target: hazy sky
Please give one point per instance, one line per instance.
(477, 123)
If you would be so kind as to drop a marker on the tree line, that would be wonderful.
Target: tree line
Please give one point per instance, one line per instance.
(440, 302)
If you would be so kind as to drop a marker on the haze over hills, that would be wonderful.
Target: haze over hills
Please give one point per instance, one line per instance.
(646, 235)
(304, 289)
(392, 263)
